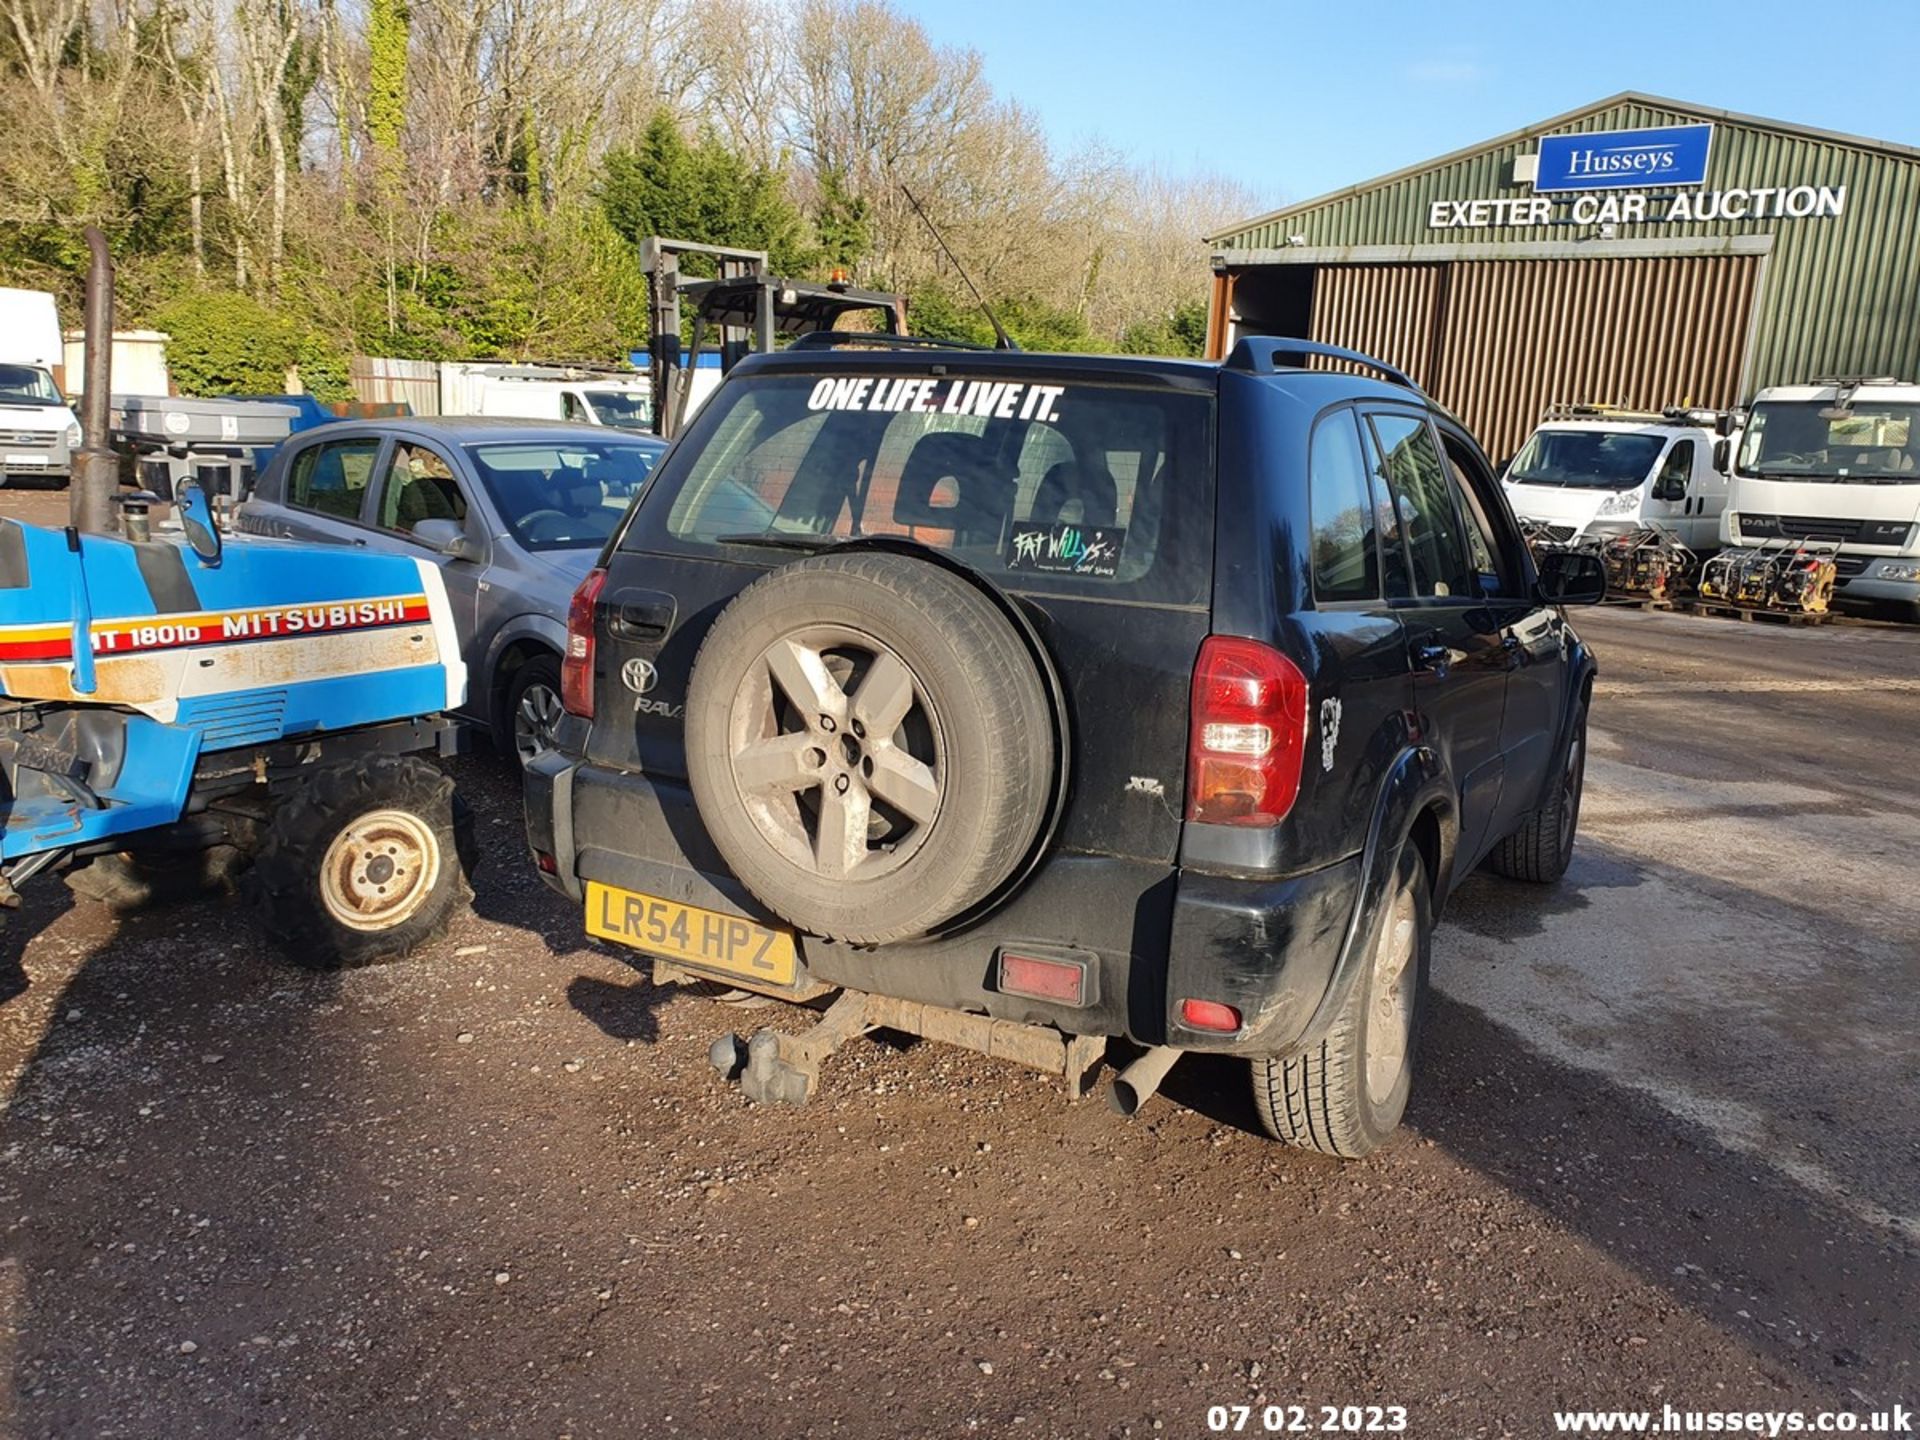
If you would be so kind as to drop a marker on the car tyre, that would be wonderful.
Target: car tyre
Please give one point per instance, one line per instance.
(364, 863)
(531, 711)
(1540, 851)
(1344, 1096)
(870, 744)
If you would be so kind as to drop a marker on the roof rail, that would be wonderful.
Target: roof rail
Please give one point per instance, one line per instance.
(1265, 352)
(879, 339)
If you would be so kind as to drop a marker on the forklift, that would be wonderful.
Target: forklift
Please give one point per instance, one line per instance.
(745, 307)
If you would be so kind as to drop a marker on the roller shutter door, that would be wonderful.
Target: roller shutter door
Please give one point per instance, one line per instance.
(1643, 332)
(1386, 311)
(1497, 341)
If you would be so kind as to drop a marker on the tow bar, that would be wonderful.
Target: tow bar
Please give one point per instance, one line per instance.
(774, 1067)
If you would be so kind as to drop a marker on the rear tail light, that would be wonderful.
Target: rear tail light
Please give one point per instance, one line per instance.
(576, 667)
(1248, 733)
(1209, 1015)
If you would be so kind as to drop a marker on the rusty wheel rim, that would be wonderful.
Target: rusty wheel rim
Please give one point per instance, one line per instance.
(379, 870)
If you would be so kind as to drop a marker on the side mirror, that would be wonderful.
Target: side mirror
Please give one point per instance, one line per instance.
(196, 518)
(446, 537)
(1722, 452)
(1669, 487)
(1569, 577)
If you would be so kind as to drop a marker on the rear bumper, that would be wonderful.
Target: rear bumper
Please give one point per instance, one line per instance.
(1151, 936)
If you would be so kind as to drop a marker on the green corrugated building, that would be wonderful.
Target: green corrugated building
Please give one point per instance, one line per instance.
(1638, 251)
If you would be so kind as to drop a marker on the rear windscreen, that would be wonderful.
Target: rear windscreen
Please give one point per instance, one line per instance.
(1100, 489)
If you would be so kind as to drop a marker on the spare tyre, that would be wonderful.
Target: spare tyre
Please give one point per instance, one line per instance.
(870, 744)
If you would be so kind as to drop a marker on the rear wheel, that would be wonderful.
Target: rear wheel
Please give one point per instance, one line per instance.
(365, 863)
(533, 709)
(1345, 1095)
(133, 880)
(870, 745)
(1542, 848)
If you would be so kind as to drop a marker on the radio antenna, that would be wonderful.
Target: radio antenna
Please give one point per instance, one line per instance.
(1001, 340)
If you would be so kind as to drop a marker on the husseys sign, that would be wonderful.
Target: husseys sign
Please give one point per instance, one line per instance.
(1631, 177)
(1618, 159)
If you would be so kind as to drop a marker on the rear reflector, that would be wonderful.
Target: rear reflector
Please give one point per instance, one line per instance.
(1209, 1015)
(546, 862)
(1064, 982)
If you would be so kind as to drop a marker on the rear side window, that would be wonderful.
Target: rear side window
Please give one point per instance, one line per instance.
(1095, 487)
(1346, 564)
(1425, 527)
(332, 479)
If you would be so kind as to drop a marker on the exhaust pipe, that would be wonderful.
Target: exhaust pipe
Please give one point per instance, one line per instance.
(1140, 1081)
(96, 469)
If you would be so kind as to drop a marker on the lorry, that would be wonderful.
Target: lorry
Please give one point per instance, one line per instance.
(547, 392)
(174, 708)
(38, 430)
(1835, 463)
(1592, 473)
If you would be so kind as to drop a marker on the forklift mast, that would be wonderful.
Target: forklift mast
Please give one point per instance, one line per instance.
(745, 304)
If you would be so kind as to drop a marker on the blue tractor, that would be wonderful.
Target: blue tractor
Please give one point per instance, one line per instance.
(176, 710)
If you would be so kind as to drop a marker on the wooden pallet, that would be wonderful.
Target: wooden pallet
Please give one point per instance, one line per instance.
(1724, 611)
(1641, 602)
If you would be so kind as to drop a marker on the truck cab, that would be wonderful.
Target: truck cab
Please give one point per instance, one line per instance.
(38, 430)
(1589, 473)
(1836, 462)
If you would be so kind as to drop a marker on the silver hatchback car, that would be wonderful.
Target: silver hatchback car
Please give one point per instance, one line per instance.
(514, 511)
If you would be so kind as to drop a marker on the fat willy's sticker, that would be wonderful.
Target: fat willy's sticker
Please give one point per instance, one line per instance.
(1067, 549)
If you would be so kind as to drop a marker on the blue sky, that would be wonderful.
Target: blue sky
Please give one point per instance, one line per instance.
(1297, 99)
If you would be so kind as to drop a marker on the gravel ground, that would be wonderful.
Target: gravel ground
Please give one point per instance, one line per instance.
(1664, 1151)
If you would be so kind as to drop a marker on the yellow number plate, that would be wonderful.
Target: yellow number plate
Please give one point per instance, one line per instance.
(686, 932)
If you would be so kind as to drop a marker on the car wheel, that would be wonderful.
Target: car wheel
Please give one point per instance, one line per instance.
(870, 744)
(533, 708)
(1542, 848)
(364, 862)
(1345, 1095)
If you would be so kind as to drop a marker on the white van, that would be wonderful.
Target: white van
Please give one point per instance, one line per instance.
(545, 392)
(1836, 461)
(1588, 473)
(38, 431)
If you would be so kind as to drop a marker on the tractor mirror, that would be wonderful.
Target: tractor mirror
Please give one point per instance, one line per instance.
(196, 518)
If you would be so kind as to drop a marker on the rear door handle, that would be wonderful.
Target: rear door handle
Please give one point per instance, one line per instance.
(642, 617)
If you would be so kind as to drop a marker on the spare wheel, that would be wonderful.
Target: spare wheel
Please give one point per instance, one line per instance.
(869, 743)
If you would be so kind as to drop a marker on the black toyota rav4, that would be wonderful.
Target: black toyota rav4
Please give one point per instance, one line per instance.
(1036, 699)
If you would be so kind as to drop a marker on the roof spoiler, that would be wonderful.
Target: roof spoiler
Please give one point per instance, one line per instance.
(1261, 353)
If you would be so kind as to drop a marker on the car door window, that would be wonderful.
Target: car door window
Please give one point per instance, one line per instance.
(420, 485)
(1496, 570)
(1344, 514)
(1423, 519)
(332, 479)
(1675, 472)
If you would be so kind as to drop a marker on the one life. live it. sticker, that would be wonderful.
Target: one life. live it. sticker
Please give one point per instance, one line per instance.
(1067, 549)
